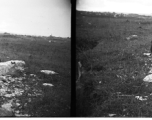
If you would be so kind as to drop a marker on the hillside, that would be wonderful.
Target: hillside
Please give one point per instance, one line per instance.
(39, 53)
(114, 67)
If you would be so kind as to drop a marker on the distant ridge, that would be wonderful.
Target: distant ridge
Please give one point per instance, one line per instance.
(112, 14)
(51, 36)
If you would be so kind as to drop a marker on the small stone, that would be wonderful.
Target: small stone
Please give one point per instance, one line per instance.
(141, 98)
(18, 104)
(48, 72)
(150, 72)
(48, 84)
(8, 95)
(132, 37)
(148, 78)
(147, 54)
(7, 106)
(17, 111)
(22, 115)
(111, 115)
(32, 75)
(6, 113)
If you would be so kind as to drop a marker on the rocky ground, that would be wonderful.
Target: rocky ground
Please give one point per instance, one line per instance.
(19, 92)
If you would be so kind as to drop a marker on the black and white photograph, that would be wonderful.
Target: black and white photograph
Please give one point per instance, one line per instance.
(114, 58)
(35, 58)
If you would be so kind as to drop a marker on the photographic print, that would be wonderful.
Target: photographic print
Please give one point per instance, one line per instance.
(35, 58)
(114, 60)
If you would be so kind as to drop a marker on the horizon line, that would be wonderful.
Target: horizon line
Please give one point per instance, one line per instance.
(31, 35)
(150, 14)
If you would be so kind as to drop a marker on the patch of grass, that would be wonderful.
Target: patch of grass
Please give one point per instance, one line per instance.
(146, 22)
(85, 44)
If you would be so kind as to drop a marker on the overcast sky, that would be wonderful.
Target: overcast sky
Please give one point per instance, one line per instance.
(36, 17)
(123, 6)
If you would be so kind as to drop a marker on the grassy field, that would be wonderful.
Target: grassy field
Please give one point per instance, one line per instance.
(114, 67)
(40, 54)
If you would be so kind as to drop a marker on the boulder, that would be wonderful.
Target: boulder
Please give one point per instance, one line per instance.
(11, 67)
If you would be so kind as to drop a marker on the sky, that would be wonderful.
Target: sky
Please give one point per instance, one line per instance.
(120, 6)
(36, 17)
